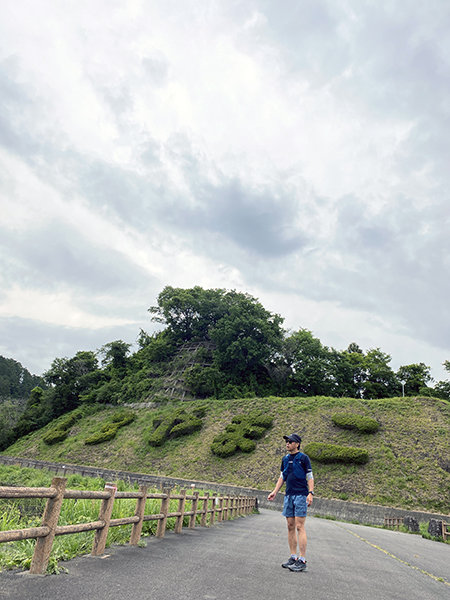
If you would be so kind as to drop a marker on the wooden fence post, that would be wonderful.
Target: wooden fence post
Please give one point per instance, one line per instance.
(205, 509)
(140, 511)
(230, 507)
(50, 518)
(214, 506)
(106, 508)
(225, 511)
(181, 508)
(220, 517)
(194, 507)
(161, 529)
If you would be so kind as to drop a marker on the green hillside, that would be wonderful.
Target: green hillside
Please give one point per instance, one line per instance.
(408, 466)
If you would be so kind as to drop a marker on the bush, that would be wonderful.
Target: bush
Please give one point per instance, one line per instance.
(186, 427)
(204, 382)
(109, 429)
(241, 433)
(175, 424)
(61, 431)
(224, 445)
(104, 435)
(357, 422)
(55, 435)
(331, 453)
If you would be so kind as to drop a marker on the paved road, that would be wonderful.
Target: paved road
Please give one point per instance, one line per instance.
(241, 560)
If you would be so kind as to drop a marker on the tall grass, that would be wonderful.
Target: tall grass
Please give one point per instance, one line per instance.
(24, 513)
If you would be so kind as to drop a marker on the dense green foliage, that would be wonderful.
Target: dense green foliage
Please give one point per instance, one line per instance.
(241, 434)
(357, 422)
(174, 424)
(216, 343)
(411, 446)
(62, 428)
(108, 430)
(15, 380)
(333, 453)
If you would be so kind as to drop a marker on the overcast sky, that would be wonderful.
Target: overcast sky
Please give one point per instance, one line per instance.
(297, 150)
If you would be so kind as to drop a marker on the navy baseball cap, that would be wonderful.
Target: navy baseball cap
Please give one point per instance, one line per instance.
(294, 437)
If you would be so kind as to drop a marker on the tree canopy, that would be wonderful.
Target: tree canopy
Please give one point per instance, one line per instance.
(242, 350)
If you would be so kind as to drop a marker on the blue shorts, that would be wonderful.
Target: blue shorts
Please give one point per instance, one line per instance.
(294, 506)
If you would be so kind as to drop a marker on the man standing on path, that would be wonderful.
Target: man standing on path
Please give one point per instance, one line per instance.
(296, 471)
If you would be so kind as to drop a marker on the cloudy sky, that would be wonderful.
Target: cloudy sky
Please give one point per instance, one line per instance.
(297, 150)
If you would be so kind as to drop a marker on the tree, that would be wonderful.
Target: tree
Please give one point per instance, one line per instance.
(245, 334)
(310, 364)
(115, 357)
(353, 348)
(15, 380)
(415, 377)
(350, 372)
(380, 379)
(247, 337)
(69, 378)
(189, 313)
(442, 388)
(38, 412)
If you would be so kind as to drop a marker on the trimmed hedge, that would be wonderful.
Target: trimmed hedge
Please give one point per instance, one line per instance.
(55, 435)
(109, 429)
(61, 431)
(331, 453)
(241, 434)
(176, 424)
(357, 422)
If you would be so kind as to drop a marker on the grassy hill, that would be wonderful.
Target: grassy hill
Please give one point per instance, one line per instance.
(409, 458)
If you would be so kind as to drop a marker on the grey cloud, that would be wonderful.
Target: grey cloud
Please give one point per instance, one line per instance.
(156, 68)
(119, 98)
(260, 221)
(16, 107)
(57, 256)
(308, 33)
(36, 344)
(398, 65)
(396, 266)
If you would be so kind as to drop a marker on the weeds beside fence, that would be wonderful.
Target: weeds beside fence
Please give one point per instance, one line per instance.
(190, 509)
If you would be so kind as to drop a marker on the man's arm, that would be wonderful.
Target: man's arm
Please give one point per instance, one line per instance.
(310, 482)
(276, 489)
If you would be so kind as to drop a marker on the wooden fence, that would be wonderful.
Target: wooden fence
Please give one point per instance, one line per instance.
(393, 522)
(212, 506)
(445, 531)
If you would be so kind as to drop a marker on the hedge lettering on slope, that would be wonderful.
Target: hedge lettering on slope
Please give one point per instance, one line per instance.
(241, 434)
(331, 453)
(109, 429)
(357, 422)
(176, 424)
(61, 431)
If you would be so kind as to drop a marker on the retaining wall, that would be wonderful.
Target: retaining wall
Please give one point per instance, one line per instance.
(369, 514)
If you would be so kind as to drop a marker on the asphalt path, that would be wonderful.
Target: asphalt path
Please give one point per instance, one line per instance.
(241, 559)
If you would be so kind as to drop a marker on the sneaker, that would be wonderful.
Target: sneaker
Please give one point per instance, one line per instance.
(288, 563)
(297, 566)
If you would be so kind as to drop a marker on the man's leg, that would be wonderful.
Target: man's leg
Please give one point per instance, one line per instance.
(292, 534)
(300, 535)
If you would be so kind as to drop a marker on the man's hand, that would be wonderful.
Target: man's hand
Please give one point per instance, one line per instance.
(271, 496)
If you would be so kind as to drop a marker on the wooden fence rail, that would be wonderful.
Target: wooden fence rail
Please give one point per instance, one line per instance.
(212, 506)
